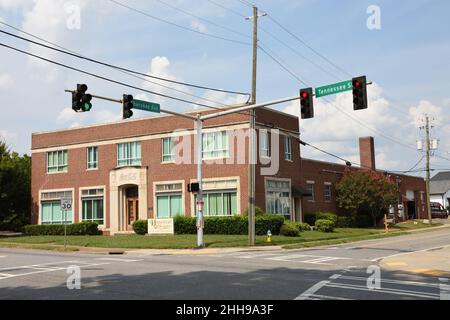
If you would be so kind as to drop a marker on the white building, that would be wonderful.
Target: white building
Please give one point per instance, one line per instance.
(440, 188)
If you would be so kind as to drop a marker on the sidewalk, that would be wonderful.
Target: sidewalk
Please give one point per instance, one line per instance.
(431, 262)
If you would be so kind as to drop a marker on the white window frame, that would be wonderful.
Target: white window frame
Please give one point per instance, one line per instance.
(271, 189)
(88, 162)
(80, 203)
(172, 152)
(168, 192)
(72, 190)
(64, 166)
(328, 187)
(222, 151)
(129, 159)
(264, 148)
(287, 148)
(313, 196)
(236, 186)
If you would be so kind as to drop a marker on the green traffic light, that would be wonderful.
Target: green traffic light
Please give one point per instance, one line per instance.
(87, 106)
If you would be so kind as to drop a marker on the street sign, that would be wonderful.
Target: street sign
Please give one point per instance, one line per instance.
(334, 88)
(146, 106)
(66, 204)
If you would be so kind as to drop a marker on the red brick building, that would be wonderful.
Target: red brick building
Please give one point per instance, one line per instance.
(138, 169)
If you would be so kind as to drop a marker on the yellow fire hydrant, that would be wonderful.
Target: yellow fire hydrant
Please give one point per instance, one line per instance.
(269, 236)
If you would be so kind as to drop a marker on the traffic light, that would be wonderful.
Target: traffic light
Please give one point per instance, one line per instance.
(193, 187)
(127, 105)
(306, 103)
(81, 101)
(359, 93)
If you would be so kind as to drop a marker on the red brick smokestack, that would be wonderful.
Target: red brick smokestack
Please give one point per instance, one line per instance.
(367, 152)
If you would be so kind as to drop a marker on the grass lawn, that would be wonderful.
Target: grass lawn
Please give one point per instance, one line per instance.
(306, 239)
(413, 224)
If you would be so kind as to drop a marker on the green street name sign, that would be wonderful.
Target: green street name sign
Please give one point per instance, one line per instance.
(334, 88)
(146, 106)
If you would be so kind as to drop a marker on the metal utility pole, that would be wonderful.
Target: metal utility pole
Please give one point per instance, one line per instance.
(252, 140)
(427, 180)
(200, 220)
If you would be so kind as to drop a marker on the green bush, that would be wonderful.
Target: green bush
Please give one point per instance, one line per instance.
(185, 225)
(258, 212)
(327, 216)
(289, 229)
(303, 226)
(324, 225)
(272, 222)
(75, 229)
(346, 222)
(230, 225)
(140, 227)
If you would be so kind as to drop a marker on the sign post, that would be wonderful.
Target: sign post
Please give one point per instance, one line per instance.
(66, 204)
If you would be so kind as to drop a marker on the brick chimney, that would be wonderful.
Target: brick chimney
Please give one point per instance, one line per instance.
(367, 152)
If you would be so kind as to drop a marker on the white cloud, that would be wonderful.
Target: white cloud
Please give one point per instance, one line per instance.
(66, 115)
(13, 4)
(425, 107)
(197, 25)
(6, 81)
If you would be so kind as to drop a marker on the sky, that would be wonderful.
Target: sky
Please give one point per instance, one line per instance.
(405, 56)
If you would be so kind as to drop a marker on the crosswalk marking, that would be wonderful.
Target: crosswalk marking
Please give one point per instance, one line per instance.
(120, 260)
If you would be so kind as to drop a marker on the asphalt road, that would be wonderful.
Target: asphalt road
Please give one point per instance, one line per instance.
(335, 272)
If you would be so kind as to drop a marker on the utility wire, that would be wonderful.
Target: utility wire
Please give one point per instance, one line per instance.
(203, 19)
(226, 8)
(178, 25)
(104, 78)
(76, 55)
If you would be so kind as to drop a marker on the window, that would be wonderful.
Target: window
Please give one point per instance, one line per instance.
(92, 205)
(220, 198)
(219, 203)
(92, 157)
(169, 200)
(287, 148)
(51, 212)
(168, 150)
(129, 154)
(310, 190)
(57, 161)
(264, 140)
(278, 197)
(327, 192)
(215, 145)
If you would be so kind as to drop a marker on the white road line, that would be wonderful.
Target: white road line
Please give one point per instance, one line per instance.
(406, 253)
(45, 270)
(2, 256)
(40, 265)
(311, 291)
(320, 296)
(409, 283)
(120, 260)
(254, 256)
(386, 290)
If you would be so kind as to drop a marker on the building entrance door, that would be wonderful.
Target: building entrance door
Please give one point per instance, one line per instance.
(132, 212)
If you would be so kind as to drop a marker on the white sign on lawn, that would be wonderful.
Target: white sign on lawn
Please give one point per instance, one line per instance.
(160, 226)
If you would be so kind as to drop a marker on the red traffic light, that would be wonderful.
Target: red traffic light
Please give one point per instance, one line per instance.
(357, 84)
(304, 95)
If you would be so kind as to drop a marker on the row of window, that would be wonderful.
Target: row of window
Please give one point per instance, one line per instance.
(215, 145)
(327, 191)
(220, 199)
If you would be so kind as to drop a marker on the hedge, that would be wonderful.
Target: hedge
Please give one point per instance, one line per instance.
(289, 229)
(230, 225)
(359, 221)
(75, 229)
(140, 227)
(311, 218)
(324, 225)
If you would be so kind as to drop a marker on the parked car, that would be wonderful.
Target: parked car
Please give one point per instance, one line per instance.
(438, 211)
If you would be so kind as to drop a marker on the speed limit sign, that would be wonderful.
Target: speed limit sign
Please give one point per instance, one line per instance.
(66, 204)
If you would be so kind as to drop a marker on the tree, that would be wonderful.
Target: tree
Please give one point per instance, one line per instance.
(15, 189)
(366, 192)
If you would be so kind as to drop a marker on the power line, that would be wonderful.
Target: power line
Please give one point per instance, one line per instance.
(203, 19)
(76, 55)
(104, 78)
(226, 8)
(178, 25)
